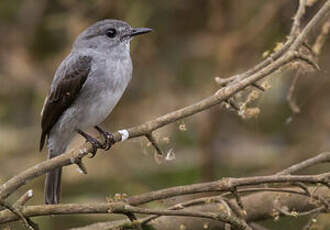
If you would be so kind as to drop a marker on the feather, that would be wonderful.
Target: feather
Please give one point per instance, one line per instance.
(61, 97)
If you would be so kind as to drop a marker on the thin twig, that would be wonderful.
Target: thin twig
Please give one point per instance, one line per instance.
(297, 18)
(238, 199)
(321, 158)
(291, 101)
(24, 198)
(152, 140)
(28, 224)
(320, 40)
(311, 221)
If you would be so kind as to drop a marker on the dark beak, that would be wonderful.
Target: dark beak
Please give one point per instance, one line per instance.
(138, 31)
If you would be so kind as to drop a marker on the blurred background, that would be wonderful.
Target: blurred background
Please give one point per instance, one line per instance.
(192, 42)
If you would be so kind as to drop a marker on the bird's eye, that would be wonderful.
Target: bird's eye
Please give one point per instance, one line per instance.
(111, 33)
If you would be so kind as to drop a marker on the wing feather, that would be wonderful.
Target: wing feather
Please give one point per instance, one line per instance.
(63, 94)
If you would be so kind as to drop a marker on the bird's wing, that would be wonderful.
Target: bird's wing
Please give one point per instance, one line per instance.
(63, 93)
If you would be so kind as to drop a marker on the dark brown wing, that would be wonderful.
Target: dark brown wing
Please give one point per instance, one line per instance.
(63, 94)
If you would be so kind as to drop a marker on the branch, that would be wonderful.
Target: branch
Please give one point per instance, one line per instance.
(321, 158)
(225, 184)
(297, 18)
(291, 101)
(219, 216)
(320, 40)
(28, 224)
(260, 206)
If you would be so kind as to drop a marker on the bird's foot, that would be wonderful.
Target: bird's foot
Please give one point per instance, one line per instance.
(108, 138)
(95, 143)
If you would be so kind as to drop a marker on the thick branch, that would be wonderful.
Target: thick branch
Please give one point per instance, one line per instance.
(259, 206)
(225, 184)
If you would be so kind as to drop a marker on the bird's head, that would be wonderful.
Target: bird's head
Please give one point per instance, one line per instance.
(107, 35)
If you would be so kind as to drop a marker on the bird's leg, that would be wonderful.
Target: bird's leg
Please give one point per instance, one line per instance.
(95, 143)
(108, 138)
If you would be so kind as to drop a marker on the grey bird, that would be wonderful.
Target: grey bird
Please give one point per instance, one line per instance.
(86, 87)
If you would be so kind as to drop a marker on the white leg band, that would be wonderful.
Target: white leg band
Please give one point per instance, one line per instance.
(124, 134)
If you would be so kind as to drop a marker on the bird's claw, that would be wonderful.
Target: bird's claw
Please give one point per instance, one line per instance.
(108, 138)
(94, 142)
(95, 145)
(108, 141)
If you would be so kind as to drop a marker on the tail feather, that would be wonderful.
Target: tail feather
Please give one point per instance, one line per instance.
(53, 186)
(53, 178)
(57, 144)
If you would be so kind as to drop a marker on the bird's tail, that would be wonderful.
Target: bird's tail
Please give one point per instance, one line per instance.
(53, 186)
(53, 178)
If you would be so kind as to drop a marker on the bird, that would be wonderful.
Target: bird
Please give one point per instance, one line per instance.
(86, 87)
